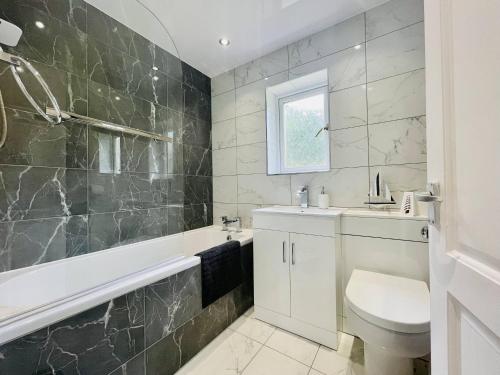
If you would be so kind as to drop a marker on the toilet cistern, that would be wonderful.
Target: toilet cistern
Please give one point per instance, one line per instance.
(303, 195)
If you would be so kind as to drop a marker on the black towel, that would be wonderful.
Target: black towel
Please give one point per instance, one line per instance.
(220, 271)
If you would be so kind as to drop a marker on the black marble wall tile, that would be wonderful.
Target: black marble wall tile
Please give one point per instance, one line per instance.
(38, 192)
(126, 191)
(172, 302)
(197, 161)
(112, 152)
(32, 142)
(194, 78)
(72, 12)
(197, 216)
(196, 132)
(56, 44)
(175, 219)
(172, 352)
(106, 29)
(175, 189)
(175, 95)
(197, 189)
(29, 242)
(113, 229)
(94, 342)
(136, 366)
(108, 104)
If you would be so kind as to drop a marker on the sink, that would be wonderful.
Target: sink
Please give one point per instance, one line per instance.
(295, 210)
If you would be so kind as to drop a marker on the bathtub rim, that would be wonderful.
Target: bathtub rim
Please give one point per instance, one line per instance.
(51, 313)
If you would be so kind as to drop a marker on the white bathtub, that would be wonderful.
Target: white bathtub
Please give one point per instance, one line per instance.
(37, 296)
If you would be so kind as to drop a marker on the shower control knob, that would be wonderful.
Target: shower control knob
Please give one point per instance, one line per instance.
(425, 232)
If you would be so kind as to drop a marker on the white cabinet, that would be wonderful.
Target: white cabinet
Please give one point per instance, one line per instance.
(312, 280)
(295, 274)
(272, 287)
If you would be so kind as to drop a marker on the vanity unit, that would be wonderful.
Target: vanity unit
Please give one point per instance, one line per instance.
(295, 270)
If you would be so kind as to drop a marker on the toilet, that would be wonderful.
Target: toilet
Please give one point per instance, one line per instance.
(392, 316)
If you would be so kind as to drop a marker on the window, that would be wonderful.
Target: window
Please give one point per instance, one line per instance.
(297, 113)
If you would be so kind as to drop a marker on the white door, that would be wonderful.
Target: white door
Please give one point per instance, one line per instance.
(463, 108)
(271, 270)
(312, 276)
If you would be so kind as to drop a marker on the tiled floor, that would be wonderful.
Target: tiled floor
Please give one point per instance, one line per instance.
(252, 347)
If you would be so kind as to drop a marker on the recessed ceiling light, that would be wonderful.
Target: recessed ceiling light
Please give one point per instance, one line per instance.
(40, 24)
(224, 42)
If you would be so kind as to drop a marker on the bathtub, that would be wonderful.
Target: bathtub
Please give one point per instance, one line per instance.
(37, 296)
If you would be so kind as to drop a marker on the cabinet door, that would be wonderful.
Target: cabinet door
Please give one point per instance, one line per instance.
(271, 270)
(312, 273)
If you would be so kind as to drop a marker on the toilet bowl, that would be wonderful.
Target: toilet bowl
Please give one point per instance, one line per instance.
(392, 316)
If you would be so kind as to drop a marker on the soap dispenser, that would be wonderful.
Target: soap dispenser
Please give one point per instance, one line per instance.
(323, 199)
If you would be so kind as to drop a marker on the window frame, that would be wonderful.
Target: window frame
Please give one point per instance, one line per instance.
(281, 101)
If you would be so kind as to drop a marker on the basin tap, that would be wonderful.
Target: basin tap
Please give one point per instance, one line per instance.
(303, 195)
(226, 222)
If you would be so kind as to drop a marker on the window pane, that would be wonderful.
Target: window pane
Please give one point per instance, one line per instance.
(302, 120)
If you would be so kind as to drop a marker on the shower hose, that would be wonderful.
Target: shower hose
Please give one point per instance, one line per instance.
(15, 63)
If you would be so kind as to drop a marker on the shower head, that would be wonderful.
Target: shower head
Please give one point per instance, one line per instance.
(9, 33)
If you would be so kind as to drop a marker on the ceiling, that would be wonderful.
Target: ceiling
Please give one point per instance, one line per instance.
(255, 27)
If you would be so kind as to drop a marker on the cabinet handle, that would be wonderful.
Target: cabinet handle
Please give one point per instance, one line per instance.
(284, 256)
(293, 253)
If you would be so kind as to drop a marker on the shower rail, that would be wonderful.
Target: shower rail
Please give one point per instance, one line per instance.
(80, 119)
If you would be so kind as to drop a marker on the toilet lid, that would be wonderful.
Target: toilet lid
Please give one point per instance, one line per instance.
(395, 303)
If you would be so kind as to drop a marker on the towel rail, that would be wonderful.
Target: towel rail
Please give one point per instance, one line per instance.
(76, 118)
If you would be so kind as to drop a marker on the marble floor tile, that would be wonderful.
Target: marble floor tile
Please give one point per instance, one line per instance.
(228, 354)
(293, 346)
(253, 328)
(347, 360)
(270, 362)
(330, 362)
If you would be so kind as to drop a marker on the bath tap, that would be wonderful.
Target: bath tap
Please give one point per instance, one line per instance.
(303, 194)
(226, 221)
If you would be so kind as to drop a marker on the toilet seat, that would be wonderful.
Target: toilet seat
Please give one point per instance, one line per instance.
(394, 303)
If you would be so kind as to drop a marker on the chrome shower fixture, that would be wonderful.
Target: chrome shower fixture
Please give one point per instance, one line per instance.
(9, 33)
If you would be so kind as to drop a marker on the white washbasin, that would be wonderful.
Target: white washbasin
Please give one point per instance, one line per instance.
(296, 210)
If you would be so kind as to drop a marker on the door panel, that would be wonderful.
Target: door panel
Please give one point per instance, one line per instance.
(312, 275)
(463, 80)
(271, 270)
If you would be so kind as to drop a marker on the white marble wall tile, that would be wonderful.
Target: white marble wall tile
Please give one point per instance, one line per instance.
(347, 187)
(393, 15)
(252, 98)
(251, 128)
(224, 134)
(266, 66)
(348, 107)
(349, 147)
(397, 97)
(263, 189)
(224, 209)
(223, 106)
(223, 83)
(348, 68)
(395, 53)
(246, 215)
(225, 189)
(312, 67)
(252, 159)
(224, 162)
(401, 178)
(343, 35)
(398, 142)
